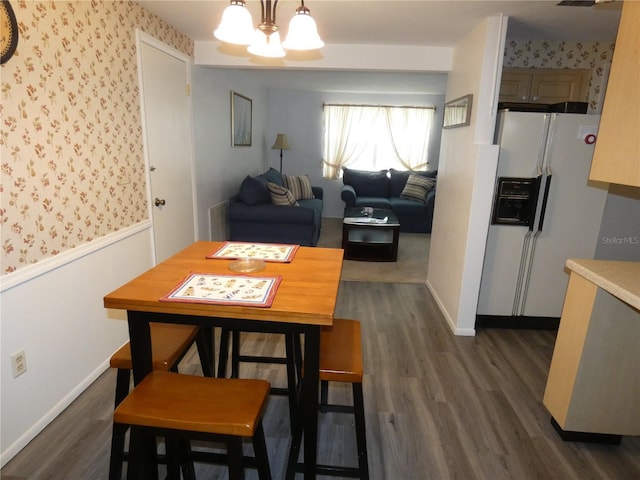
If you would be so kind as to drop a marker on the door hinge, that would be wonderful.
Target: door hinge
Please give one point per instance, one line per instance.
(188, 90)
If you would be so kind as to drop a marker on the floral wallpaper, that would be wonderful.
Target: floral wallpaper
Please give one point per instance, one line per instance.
(538, 54)
(71, 155)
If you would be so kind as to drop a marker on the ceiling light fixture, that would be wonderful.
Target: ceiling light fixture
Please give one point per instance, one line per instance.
(236, 27)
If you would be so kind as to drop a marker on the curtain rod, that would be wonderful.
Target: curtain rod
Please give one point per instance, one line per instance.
(427, 107)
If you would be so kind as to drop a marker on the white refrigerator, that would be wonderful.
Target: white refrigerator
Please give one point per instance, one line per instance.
(545, 211)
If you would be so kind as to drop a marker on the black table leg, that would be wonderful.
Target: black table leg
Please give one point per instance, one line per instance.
(306, 422)
(142, 449)
(309, 399)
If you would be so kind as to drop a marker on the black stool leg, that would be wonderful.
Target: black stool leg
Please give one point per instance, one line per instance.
(324, 396)
(204, 341)
(234, 454)
(117, 449)
(186, 464)
(123, 377)
(224, 353)
(292, 374)
(361, 435)
(260, 452)
(235, 354)
(173, 455)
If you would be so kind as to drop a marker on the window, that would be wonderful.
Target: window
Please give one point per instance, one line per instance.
(375, 137)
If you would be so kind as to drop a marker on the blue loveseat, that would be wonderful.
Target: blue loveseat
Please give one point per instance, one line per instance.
(253, 217)
(386, 189)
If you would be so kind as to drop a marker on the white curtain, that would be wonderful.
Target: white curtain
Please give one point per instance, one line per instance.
(372, 137)
(346, 136)
(408, 130)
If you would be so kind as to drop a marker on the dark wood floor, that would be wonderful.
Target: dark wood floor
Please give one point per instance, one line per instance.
(438, 406)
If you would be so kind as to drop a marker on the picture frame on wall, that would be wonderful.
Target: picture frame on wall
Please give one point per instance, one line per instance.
(457, 113)
(241, 113)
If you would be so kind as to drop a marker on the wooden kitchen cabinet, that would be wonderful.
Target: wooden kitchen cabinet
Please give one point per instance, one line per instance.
(544, 85)
(616, 158)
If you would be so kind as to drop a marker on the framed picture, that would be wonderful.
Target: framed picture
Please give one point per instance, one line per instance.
(240, 120)
(457, 113)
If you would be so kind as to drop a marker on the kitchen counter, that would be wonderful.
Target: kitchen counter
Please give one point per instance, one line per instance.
(620, 279)
(593, 385)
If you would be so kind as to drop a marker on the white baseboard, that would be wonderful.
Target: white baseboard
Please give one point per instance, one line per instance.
(40, 425)
(462, 332)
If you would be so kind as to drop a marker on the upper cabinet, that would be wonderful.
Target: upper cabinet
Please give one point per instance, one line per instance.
(544, 85)
(616, 158)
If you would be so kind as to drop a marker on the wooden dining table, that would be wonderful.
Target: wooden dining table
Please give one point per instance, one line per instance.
(304, 302)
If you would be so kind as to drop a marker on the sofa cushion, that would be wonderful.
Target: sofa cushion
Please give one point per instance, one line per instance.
(417, 188)
(280, 195)
(299, 186)
(365, 183)
(272, 175)
(253, 191)
(398, 179)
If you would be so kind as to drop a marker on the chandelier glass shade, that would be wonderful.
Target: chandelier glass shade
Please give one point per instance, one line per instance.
(303, 32)
(236, 27)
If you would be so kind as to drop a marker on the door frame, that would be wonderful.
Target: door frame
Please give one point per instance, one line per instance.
(143, 37)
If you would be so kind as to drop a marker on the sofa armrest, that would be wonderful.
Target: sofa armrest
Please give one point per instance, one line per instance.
(317, 192)
(348, 195)
(269, 213)
(430, 198)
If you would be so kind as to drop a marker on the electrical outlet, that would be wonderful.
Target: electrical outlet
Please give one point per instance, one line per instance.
(19, 363)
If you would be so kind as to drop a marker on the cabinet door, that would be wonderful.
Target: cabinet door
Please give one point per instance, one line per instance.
(616, 158)
(515, 86)
(555, 86)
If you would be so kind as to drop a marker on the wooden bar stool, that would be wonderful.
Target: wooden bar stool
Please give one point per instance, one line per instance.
(292, 360)
(170, 343)
(340, 361)
(186, 407)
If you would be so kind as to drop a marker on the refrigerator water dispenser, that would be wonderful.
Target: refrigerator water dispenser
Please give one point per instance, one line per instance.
(515, 201)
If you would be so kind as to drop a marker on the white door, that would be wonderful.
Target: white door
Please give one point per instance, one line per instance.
(167, 130)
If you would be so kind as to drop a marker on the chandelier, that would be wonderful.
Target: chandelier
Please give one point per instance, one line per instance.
(236, 27)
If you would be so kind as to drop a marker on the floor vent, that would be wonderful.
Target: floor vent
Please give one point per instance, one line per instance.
(218, 228)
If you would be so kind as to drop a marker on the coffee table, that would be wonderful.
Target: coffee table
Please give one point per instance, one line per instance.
(370, 234)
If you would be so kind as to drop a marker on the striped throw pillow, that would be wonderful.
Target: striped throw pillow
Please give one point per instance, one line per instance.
(280, 195)
(417, 187)
(299, 186)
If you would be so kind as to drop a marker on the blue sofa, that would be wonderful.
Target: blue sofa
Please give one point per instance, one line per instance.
(253, 218)
(384, 189)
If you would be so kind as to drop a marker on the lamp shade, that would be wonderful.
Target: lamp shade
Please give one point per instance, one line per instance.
(265, 45)
(281, 142)
(303, 32)
(236, 25)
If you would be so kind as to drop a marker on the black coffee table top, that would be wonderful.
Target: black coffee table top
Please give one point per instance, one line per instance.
(373, 217)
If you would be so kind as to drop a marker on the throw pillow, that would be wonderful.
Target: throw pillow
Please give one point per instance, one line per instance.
(398, 179)
(280, 195)
(299, 186)
(253, 192)
(417, 187)
(272, 175)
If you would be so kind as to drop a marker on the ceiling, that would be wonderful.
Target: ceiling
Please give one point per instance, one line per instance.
(414, 22)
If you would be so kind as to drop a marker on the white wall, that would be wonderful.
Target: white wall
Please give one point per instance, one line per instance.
(466, 177)
(399, 58)
(57, 317)
(219, 167)
(298, 113)
(619, 237)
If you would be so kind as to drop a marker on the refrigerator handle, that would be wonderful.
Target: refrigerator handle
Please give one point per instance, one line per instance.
(544, 203)
(534, 202)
